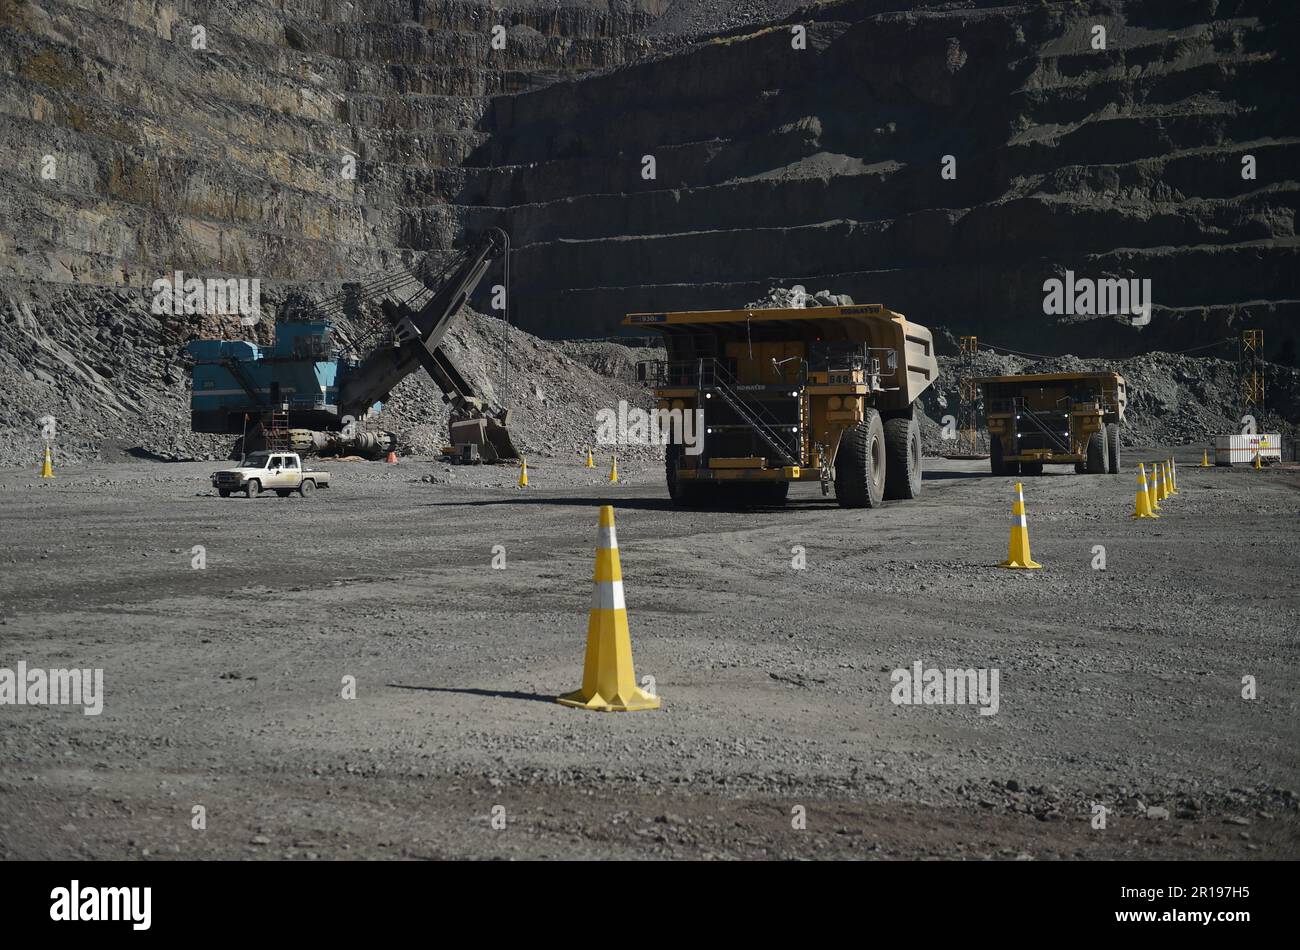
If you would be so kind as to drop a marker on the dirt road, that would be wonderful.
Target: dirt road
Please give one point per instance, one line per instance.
(223, 684)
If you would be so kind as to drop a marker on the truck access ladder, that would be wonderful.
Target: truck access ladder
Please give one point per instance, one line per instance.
(1038, 424)
(749, 413)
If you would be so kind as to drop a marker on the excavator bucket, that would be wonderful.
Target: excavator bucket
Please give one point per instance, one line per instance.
(483, 438)
(499, 436)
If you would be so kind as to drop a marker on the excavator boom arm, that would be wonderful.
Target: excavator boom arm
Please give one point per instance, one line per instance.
(420, 333)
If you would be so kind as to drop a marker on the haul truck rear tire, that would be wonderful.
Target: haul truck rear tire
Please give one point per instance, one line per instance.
(1097, 453)
(1112, 448)
(860, 464)
(902, 458)
(996, 460)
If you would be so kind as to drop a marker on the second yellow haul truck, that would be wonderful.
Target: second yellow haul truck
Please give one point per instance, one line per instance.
(824, 394)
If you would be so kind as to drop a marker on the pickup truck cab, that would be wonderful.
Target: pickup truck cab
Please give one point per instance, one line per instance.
(281, 472)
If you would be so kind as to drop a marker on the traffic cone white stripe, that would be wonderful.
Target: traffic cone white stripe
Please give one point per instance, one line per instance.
(608, 595)
(607, 538)
(1019, 521)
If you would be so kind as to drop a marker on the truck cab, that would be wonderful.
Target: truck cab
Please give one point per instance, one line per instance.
(269, 470)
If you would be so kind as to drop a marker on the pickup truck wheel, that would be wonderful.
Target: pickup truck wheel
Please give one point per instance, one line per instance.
(306, 488)
(253, 488)
(860, 464)
(223, 492)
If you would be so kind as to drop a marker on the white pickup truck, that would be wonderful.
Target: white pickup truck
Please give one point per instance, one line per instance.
(280, 472)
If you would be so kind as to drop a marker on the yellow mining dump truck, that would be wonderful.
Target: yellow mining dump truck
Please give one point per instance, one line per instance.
(809, 394)
(1054, 419)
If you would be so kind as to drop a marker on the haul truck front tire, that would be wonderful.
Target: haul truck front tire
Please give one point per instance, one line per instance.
(997, 463)
(683, 492)
(1097, 453)
(860, 464)
(902, 458)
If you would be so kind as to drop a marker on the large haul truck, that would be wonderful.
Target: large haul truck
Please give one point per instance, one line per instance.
(824, 394)
(1054, 419)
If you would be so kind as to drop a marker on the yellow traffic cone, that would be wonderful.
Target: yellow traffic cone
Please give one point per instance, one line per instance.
(47, 467)
(1167, 470)
(1173, 477)
(1018, 547)
(1257, 462)
(1142, 503)
(1158, 486)
(613, 469)
(591, 462)
(1205, 458)
(523, 473)
(608, 680)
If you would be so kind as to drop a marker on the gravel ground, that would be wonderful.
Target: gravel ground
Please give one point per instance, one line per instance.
(1119, 687)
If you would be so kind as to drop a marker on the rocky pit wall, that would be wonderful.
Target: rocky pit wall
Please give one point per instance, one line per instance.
(819, 166)
(824, 166)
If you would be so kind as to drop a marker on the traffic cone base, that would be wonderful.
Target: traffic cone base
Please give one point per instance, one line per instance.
(613, 687)
(608, 679)
(1018, 546)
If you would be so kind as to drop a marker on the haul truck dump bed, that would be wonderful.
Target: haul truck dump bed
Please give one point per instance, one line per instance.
(1054, 419)
(805, 394)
